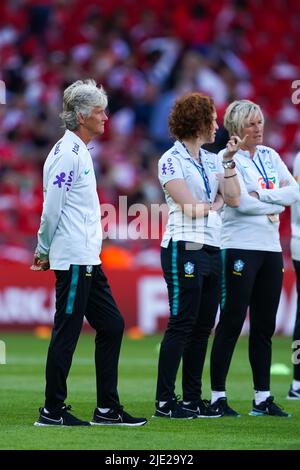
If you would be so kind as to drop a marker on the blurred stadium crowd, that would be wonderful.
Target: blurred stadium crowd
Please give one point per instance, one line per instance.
(145, 54)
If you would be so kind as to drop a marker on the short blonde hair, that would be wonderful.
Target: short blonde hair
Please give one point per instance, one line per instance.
(238, 114)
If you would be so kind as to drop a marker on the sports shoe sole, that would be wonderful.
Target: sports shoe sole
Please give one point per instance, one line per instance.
(93, 423)
(259, 414)
(292, 398)
(231, 416)
(49, 425)
(208, 417)
(172, 417)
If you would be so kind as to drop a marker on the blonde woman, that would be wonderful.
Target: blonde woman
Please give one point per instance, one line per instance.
(252, 259)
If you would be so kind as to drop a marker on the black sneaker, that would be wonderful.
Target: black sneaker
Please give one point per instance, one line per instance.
(116, 417)
(268, 408)
(293, 394)
(201, 409)
(173, 409)
(59, 418)
(221, 406)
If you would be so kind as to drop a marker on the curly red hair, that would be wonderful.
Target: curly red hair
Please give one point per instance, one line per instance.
(191, 116)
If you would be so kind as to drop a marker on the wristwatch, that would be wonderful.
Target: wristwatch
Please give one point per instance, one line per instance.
(228, 165)
(41, 256)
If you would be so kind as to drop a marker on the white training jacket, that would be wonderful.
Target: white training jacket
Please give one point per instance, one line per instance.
(70, 230)
(176, 163)
(295, 215)
(247, 226)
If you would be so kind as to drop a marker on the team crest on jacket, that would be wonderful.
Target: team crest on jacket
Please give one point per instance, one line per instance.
(89, 270)
(238, 266)
(189, 269)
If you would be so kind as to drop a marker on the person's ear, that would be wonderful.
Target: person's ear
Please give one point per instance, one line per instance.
(81, 119)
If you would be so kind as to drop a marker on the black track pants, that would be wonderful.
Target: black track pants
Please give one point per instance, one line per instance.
(193, 281)
(250, 278)
(84, 291)
(296, 335)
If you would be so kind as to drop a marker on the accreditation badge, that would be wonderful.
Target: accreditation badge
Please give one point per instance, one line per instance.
(273, 218)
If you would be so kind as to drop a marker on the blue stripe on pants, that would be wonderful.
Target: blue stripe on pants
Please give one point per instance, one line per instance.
(223, 280)
(73, 288)
(175, 300)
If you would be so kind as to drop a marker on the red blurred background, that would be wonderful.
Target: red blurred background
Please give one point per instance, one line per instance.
(145, 54)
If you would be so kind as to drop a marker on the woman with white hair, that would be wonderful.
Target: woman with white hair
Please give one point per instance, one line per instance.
(69, 242)
(252, 259)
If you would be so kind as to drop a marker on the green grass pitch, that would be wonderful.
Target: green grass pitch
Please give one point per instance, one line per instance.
(22, 392)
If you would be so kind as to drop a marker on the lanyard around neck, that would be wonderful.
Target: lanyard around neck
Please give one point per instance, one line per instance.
(202, 172)
(262, 172)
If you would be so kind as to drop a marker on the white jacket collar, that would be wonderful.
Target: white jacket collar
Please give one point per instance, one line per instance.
(246, 153)
(182, 150)
(74, 137)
